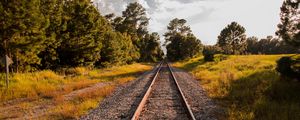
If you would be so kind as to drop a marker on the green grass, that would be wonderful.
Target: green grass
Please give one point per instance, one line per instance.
(51, 86)
(248, 87)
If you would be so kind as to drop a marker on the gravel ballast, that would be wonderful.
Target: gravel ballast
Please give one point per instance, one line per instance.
(122, 103)
(202, 106)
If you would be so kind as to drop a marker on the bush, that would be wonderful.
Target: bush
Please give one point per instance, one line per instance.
(208, 57)
(209, 52)
(289, 67)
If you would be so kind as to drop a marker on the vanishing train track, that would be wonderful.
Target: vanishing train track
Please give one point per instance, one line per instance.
(164, 98)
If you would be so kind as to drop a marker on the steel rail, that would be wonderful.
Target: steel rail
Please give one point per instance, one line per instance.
(190, 113)
(147, 94)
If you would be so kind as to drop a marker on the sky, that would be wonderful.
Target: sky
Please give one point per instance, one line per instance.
(206, 17)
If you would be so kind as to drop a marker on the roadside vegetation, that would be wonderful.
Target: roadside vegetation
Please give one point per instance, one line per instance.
(54, 88)
(43, 34)
(247, 86)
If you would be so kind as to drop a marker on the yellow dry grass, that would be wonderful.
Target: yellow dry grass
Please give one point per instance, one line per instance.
(248, 87)
(53, 86)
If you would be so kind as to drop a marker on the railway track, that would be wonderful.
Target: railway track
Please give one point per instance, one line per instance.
(164, 98)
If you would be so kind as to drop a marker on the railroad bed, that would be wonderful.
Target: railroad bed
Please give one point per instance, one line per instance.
(164, 99)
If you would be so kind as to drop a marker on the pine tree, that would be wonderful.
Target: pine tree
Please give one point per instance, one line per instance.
(289, 28)
(81, 42)
(181, 43)
(135, 20)
(117, 49)
(150, 48)
(252, 46)
(22, 30)
(232, 39)
(53, 12)
(176, 26)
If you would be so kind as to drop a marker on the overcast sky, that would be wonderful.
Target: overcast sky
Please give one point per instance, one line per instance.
(206, 17)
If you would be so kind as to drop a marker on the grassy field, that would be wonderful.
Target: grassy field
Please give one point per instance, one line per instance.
(248, 87)
(50, 88)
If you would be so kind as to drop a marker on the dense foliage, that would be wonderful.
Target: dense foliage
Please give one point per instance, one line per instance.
(134, 22)
(289, 67)
(150, 48)
(180, 41)
(289, 28)
(289, 31)
(49, 34)
(232, 39)
(269, 45)
(209, 52)
(22, 31)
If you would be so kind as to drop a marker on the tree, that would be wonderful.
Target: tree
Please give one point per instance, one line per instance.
(176, 26)
(191, 46)
(117, 49)
(53, 12)
(269, 45)
(181, 43)
(232, 39)
(135, 20)
(82, 40)
(252, 45)
(150, 48)
(285, 48)
(289, 28)
(289, 31)
(210, 51)
(22, 30)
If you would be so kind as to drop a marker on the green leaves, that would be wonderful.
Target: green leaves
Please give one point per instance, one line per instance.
(289, 28)
(48, 34)
(150, 48)
(232, 39)
(22, 31)
(181, 43)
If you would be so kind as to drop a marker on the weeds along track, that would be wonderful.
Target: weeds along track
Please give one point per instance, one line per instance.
(164, 98)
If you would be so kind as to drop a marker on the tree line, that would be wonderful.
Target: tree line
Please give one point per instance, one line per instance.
(182, 44)
(51, 34)
(233, 41)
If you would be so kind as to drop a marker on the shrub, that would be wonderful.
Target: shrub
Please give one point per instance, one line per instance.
(289, 67)
(209, 52)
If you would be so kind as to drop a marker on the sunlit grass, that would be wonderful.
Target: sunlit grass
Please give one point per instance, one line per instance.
(81, 104)
(248, 86)
(53, 86)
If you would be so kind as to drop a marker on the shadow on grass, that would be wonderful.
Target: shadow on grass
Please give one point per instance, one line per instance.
(263, 96)
(193, 65)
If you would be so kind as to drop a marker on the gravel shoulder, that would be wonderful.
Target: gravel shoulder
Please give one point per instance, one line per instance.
(202, 106)
(122, 103)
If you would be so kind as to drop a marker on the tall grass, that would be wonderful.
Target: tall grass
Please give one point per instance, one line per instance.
(53, 86)
(248, 87)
